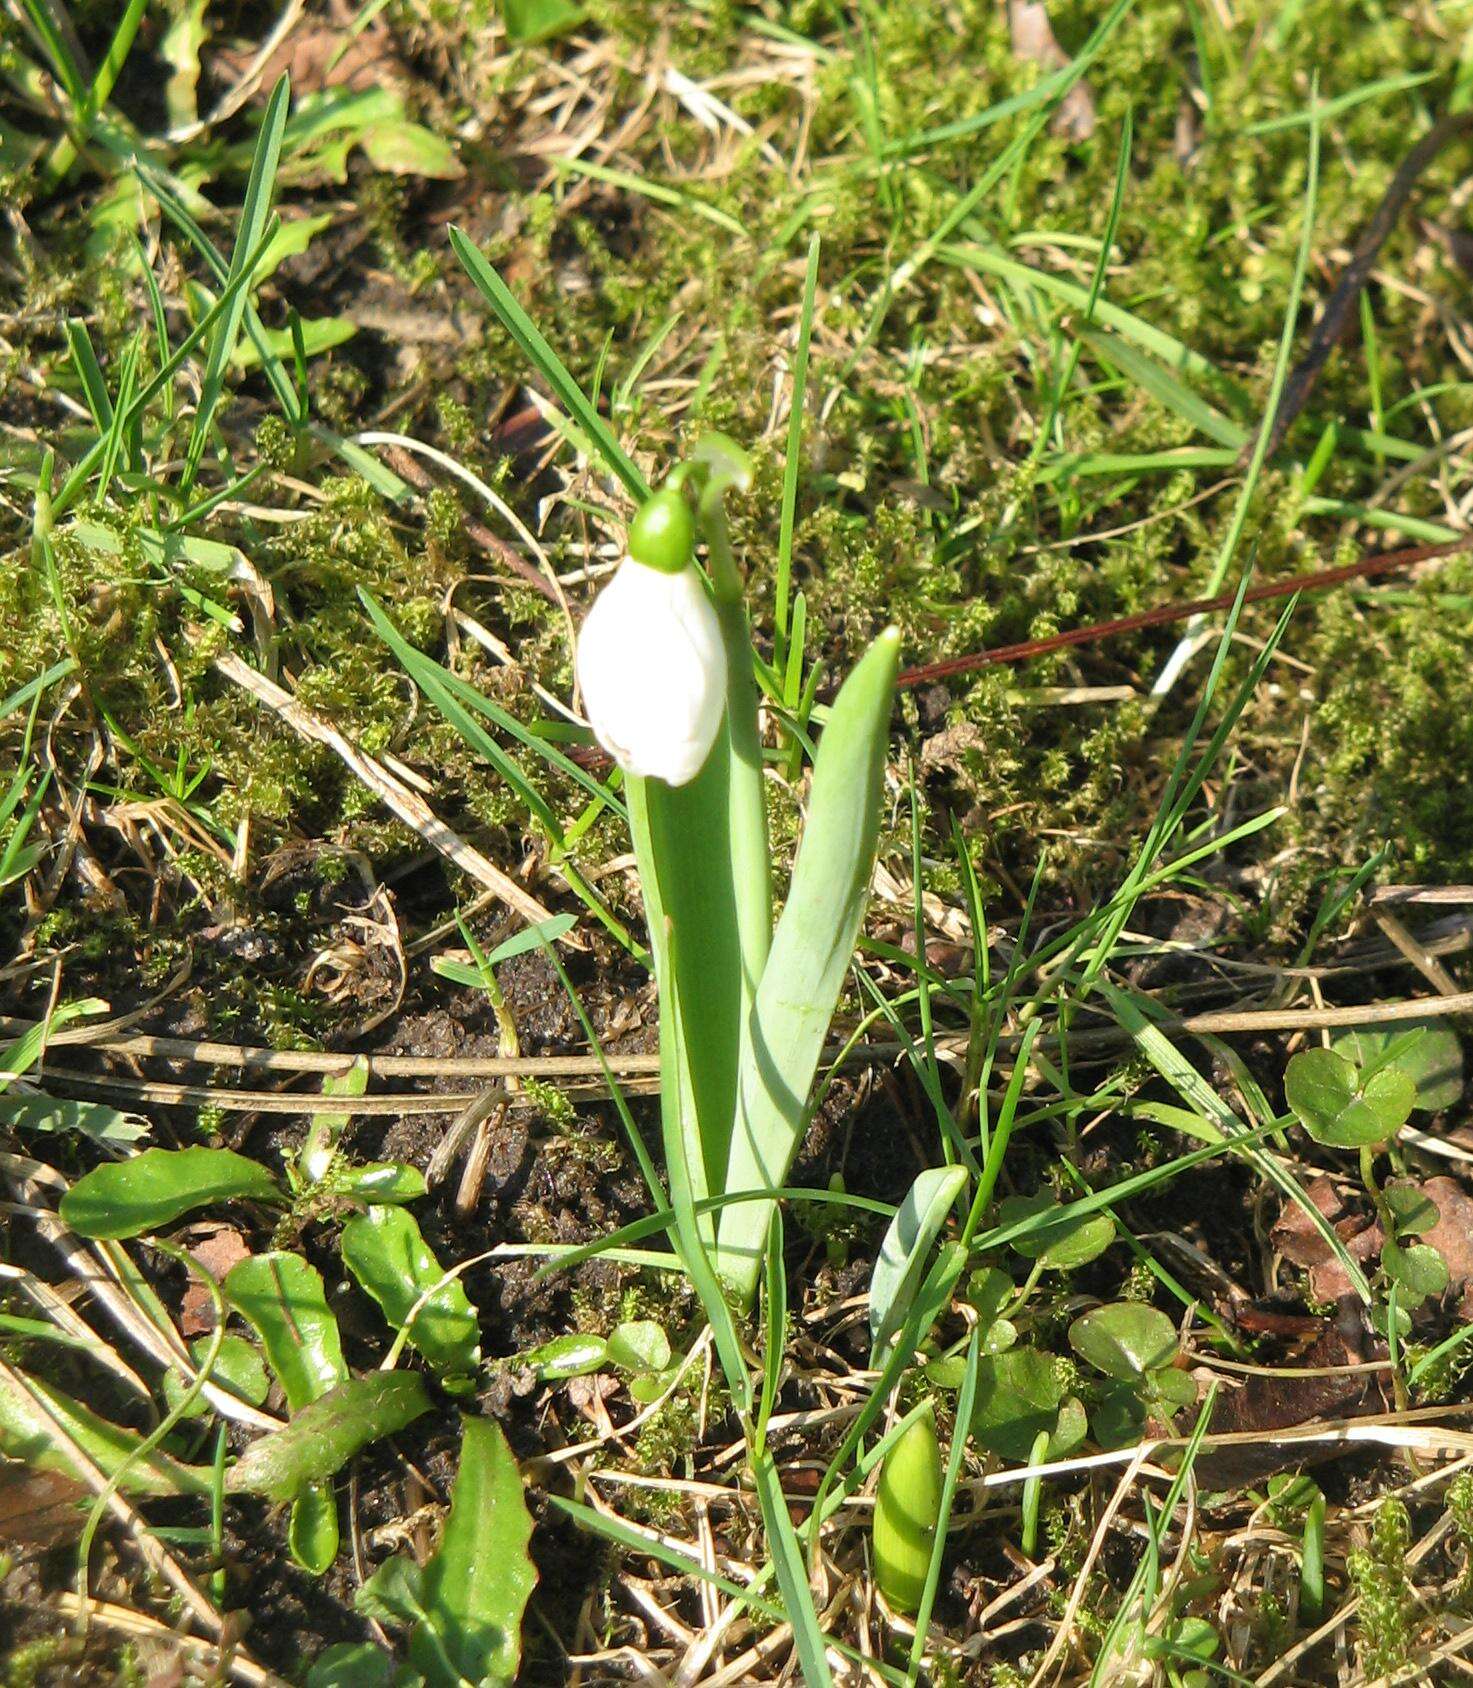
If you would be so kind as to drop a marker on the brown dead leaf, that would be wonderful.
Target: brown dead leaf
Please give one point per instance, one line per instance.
(1034, 38)
(1452, 1236)
(1296, 1238)
(1270, 1401)
(39, 1508)
(316, 57)
(219, 1250)
(588, 1395)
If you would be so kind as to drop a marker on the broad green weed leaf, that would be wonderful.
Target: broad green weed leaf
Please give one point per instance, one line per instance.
(319, 335)
(1432, 1057)
(989, 1291)
(573, 1355)
(390, 1182)
(281, 1297)
(1412, 1208)
(475, 1588)
(1173, 1386)
(391, 1260)
(325, 1435)
(126, 1198)
(650, 1386)
(1064, 1242)
(312, 1531)
(1125, 1340)
(639, 1345)
(1340, 1108)
(901, 1263)
(28, 1433)
(326, 1130)
(353, 1664)
(531, 21)
(1420, 1270)
(1019, 1396)
(1118, 1416)
(394, 1593)
(237, 1368)
(88, 1119)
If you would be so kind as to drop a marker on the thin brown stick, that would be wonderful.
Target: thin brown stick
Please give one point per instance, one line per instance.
(1381, 563)
(585, 1071)
(408, 805)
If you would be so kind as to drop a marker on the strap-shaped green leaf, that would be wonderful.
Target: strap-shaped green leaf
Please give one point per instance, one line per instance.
(682, 837)
(811, 950)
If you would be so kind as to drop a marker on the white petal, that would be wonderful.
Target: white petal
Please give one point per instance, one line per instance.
(652, 669)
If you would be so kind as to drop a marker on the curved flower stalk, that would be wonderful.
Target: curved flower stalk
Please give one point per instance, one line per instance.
(744, 1007)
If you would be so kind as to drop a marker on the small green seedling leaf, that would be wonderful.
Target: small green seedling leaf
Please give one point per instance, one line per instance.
(389, 1182)
(907, 1505)
(531, 21)
(385, 1252)
(476, 1587)
(574, 1355)
(312, 1531)
(1064, 1243)
(1342, 1109)
(1124, 1339)
(1431, 1056)
(1412, 1209)
(324, 1436)
(901, 1264)
(639, 1345)
(1018, 1396)
(1421, 1271)
(126, 1198)
(353, 1664)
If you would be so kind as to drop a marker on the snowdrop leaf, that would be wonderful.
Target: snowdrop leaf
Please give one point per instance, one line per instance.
(810, 956)
(907, 1246)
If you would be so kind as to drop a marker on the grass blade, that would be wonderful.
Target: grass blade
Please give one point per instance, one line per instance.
(253, 219)
(542, 358)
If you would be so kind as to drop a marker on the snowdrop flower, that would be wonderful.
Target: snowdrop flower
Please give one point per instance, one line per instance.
(651, 663)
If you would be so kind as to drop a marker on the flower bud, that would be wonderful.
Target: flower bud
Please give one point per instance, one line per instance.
(651, 663)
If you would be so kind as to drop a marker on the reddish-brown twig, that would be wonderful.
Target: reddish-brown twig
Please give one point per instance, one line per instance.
(1381, 563)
